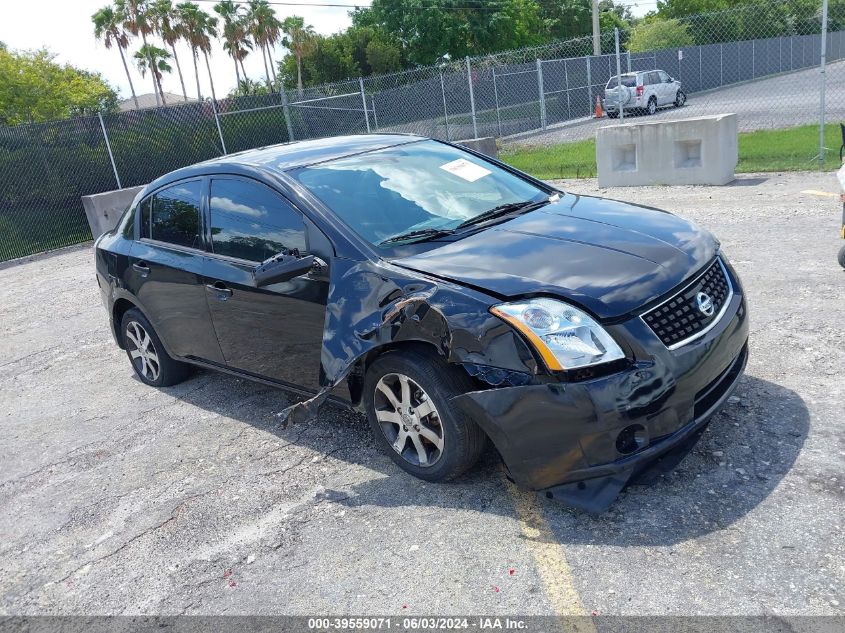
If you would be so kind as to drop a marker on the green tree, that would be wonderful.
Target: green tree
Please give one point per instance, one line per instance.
(34, 88)
(165, 20)
(300, 40)
(265, 30)
(383, 57)
(136, 20)
(108, 27)
(657, 34)
(154, 59)
(235, 40)
(428, 34)
(198, 27)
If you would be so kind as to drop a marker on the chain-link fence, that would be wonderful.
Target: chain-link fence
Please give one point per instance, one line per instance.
(747, 60)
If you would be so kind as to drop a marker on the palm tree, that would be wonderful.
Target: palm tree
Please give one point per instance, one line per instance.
(235, 40)
(198, 28)
(136, 20)
(265, 29)
(165, 22)
(300, 40)
(108, 27)
(154, 59)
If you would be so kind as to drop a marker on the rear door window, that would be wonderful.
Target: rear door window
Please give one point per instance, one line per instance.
(172, 215)
(629, 81)
(250, 221)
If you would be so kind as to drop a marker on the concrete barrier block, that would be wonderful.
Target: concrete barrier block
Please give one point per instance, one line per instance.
(696, 151)
(486, 145)
(103, 210)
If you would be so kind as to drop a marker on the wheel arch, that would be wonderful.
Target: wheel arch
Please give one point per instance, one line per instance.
(121, 306)
(355, 379)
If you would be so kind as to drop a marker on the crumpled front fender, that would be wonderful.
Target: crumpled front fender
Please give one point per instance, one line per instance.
(373, 305)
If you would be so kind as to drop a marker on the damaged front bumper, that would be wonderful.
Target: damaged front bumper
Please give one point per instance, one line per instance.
(582, 442)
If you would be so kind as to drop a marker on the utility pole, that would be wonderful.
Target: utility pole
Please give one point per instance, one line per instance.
(823, 84)
(596, 29)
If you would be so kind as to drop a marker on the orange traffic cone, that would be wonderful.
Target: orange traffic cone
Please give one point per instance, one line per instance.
(599, 113)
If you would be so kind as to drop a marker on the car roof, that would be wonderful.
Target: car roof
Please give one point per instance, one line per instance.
(286, 156)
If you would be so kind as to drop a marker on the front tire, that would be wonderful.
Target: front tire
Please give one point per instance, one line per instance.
(406, 394)
(680, 99)
(151, 362)
(842, 257)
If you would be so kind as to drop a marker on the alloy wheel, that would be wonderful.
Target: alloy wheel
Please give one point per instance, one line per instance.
(142, 351)
(680, 99)
(409, 420)
(652, 106)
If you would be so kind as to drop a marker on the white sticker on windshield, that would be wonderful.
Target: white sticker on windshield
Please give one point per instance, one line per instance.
(462, 168)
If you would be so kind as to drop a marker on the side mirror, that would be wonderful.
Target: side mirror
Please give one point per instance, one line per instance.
(282, 267)
(670, 80)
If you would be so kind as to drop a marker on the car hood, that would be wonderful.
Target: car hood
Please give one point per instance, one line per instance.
(610, 257)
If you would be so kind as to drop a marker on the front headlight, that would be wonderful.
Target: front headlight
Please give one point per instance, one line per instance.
(564, 336)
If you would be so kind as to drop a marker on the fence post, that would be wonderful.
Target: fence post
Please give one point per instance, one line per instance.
(219, 129)
(364, 103)
(589, 87)
(753, 61)
(566, 85)
(542, 94)
(108, 148)
(375, 117)
(619, 73)
(721, 65)
(445, 111)
(471, 99)
(496, 98)
(823, 84)
(629, 60)
(286, 111)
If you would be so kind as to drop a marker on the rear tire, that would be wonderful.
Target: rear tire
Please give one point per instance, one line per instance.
(406, 394)
(680, 99)
(151, 362)
(842, 257)
(651, 108)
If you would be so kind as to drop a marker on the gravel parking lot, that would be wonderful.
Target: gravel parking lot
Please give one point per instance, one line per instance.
(121, 499)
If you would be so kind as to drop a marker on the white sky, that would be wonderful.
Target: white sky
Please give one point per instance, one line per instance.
(65, 27)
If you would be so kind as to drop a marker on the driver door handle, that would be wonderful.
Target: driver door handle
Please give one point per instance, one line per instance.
(220, 290)
(142, 268)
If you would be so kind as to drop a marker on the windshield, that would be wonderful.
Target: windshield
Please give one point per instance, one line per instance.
(629, 81)
(413, 187)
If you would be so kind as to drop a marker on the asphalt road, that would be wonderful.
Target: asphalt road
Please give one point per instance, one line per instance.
(779, 102)
(116, 498)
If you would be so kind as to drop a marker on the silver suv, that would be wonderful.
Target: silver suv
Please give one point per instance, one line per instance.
(642, 91)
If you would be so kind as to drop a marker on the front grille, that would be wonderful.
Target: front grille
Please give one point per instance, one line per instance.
(679, 320)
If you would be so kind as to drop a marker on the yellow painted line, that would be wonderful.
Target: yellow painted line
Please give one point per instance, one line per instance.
(550, 559)
(825, 194)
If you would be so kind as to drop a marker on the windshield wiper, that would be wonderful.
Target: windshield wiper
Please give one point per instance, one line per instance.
(504, 209)
(421, 234)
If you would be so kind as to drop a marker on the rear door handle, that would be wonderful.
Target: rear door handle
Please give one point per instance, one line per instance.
(219, 289)
(142, 268)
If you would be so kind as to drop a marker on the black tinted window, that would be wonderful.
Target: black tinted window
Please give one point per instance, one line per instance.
(249, 221)
(653, 78)
(146, 209)
(176, 214)
(129, 226)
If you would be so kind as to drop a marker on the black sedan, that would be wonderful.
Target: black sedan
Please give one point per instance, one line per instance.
(450, 297)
